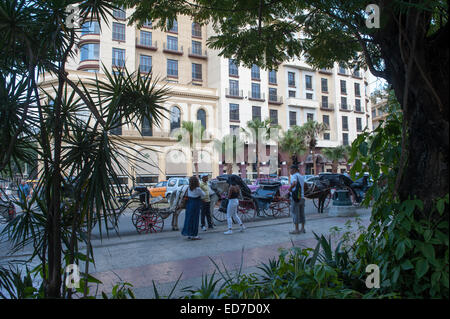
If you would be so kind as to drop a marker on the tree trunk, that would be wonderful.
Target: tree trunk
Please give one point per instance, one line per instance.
(425, 108)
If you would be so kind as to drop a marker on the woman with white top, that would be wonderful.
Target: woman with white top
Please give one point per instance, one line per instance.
(191, 220)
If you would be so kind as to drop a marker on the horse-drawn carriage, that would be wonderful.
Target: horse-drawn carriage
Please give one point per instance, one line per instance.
(267, 199)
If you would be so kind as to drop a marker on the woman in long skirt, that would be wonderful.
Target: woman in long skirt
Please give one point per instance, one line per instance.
(191, 220)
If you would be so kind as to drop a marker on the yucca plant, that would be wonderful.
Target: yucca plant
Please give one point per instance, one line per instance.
(79, 156)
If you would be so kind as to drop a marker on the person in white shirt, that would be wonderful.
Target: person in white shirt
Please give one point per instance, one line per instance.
(297, 208)
(192, 213)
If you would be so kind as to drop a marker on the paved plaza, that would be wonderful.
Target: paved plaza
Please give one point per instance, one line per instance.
(162, 257)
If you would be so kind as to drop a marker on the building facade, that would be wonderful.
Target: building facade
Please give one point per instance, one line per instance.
(216, 91)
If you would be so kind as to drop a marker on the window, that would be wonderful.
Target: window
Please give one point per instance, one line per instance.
(196, 71)
(148, 23)
(256, 113)
(357, 73)
(308, 82)
(374, 113)
(342, 69)
(291, 93)
(324, 85)
(345, 123)
(172, 43)
(324, 101)
(256, 91)
(118, 31)
(234, 130)
(272, 94)
(291, 79)
(343, 87)
(345, 138)
(175, 118)
(118, 58)
(146, 38)
(309, 117)
(117, 128)
(309, 96)
(343, 103)
(358, 124)
(326, 120)
(292, 118)
(196, 47)
(234, 88)
(326, 136)
(196, 30)
(172, 68)
(358, 105)
(119, 14)
(90, 27)
(89, 51)
(174, 27)
(255, 72)
(357, 89)
(201, 116)
(273, 115)
(234, 112)
(273, 77)
(232, 68)
(146, 127)
(145, 64)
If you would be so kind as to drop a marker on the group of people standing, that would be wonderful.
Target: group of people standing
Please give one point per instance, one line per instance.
(199, 202)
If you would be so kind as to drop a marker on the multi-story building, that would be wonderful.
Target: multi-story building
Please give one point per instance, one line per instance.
(222, 95)
(378, 111)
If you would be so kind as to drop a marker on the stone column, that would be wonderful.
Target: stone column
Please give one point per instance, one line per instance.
(243, 170)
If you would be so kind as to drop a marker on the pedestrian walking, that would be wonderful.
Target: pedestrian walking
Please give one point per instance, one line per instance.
(23, 191)
(193, 206)
(206, 204)
(233, 203)
(297, 200)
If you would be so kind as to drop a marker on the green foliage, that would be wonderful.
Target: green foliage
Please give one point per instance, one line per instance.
(409, 245)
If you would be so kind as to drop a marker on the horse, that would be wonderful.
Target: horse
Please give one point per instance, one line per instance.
(318, 189)
(216, 188)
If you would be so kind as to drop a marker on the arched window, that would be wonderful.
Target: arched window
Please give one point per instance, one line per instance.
(201, 116)
(175, 118)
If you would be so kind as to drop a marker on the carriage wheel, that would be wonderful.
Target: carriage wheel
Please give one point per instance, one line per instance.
(218, 215)
(149, 223)
(280, 208)
(247, 210)
(137, 212)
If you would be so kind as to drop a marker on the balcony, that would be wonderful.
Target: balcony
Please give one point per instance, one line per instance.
(234, 93)
(359, 110)
(345, 107)
(326, 71)
(297, 102)
(173, 50)
(197, 54)
(140, 44)
(326, 106)
(256, 96)
(275, 99)
(342, 71)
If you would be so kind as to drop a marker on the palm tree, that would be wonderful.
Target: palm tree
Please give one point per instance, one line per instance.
(229, 143)
(335, 154)
(254, 126)
(192, 128)
(312, 130)
(293, 143)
